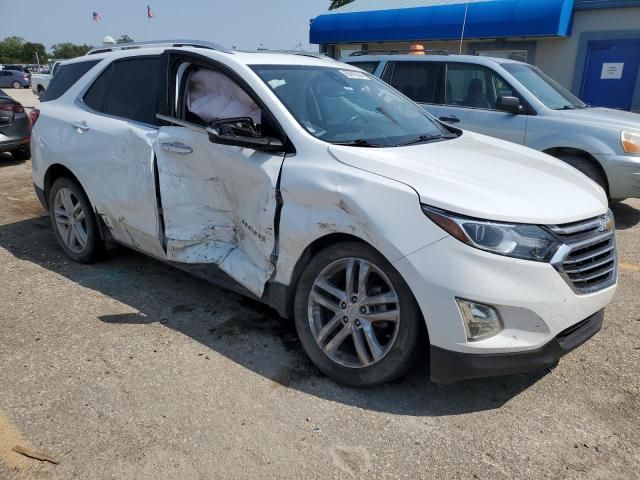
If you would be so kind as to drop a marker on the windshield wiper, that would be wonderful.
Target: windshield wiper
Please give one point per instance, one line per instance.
(566, 107)
(360, 142)
(426, 138)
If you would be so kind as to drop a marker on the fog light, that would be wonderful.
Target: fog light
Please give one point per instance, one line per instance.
(480, 321)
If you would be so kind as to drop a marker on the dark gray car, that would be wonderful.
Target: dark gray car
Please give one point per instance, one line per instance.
(15, 128)
(15, 79)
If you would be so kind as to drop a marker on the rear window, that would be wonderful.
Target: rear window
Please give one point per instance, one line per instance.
(127, 89)
(66, 77)
(420, 81)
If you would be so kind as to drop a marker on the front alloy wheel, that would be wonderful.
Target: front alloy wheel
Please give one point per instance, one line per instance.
(356, 317)
(354, 313)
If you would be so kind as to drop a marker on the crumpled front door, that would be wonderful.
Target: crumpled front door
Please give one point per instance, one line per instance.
(218, 204)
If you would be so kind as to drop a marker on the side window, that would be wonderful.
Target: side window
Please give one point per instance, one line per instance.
(474, 86)
(66, 77)
(97, 93)
(368, 67)
(211, 95)
(417, 80)
(133, 89)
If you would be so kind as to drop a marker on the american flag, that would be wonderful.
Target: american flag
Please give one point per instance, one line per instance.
(150, 13)
(97, 17)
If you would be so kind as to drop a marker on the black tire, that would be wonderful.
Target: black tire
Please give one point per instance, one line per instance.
(23, 154)
(40, 91)
(94, 244)
(403, 351)
(585, 167)
(17, 85)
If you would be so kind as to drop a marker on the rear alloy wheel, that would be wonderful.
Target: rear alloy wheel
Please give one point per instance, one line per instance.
(355, 316)
(74, 222)
(17, 85)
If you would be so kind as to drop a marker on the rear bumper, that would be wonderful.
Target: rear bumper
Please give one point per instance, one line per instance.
(11, 145)
(449, 367)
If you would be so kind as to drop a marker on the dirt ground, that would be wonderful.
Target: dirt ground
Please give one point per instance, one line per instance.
(131, 369)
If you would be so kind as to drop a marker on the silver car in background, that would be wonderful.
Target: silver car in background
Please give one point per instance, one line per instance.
(14, 79)
(517, 102)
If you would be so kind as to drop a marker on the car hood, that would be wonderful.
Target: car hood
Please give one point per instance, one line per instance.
(604, 116)
(486, 178)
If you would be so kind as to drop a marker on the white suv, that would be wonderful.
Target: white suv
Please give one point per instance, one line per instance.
(318, 189)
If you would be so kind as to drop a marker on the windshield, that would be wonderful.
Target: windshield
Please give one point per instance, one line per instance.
(349, 107)
(545, 88)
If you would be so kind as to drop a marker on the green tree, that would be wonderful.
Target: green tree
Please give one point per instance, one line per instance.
(11, 50)
(124, 39)
(69, 50)
(338, 3)
(29, 51)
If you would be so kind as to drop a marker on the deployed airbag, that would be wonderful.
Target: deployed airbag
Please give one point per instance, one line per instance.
(214, 96)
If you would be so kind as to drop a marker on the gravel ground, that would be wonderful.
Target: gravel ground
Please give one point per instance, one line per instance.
(131, 369)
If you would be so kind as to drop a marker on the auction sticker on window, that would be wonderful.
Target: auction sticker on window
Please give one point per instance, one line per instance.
(354, 75)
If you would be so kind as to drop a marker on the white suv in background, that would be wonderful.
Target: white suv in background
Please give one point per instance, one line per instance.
(321, 191)
(517, 102)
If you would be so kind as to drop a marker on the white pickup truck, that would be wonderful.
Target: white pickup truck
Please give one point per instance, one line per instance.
(40, 82)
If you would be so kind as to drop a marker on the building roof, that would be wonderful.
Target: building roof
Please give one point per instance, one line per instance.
(418, 20)
(373, 5)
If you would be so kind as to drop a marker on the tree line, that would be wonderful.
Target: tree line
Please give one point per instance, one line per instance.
(18, 50)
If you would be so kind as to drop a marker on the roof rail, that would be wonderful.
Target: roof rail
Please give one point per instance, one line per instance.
(290, 52)
(160, 43)
(401, 52)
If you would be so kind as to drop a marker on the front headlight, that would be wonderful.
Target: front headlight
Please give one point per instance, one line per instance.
(529, 242)
(630, 141)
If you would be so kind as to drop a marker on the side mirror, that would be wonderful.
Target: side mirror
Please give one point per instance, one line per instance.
(242, 132)
(509, 104)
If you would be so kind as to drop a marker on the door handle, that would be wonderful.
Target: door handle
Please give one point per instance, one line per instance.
(176, 147)
(451, 119)
(82, 126)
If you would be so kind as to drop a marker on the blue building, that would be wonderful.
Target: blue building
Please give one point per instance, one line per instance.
(590, 46)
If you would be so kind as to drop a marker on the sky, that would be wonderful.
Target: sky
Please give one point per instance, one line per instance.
(276, 24)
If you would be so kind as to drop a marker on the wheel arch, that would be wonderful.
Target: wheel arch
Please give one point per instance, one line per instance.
(559, 151)
(55, 172)
(282, 297)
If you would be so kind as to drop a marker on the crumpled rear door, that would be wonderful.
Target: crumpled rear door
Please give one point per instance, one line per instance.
(218, 204)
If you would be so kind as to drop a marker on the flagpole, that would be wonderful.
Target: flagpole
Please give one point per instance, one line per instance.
(464, 24)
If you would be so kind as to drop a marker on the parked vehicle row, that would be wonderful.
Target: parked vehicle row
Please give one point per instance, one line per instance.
(15, 128)
(320, 190)
(40, 82)
(517, 102)
(14, 79)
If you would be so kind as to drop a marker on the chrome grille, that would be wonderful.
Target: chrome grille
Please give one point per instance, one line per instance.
(587, 259)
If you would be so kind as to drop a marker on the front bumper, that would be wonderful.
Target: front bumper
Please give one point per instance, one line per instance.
(623, 174)
(449, 367)
(535, 303)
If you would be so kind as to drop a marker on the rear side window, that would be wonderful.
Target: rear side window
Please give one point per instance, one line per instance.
(128, 89)
(66, 77)
(368, 67)
(97, 94)
(420, 81)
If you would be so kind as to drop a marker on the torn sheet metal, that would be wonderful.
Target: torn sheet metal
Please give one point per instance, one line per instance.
(219, 205)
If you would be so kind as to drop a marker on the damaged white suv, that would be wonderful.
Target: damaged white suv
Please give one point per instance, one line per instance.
(323, 192)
